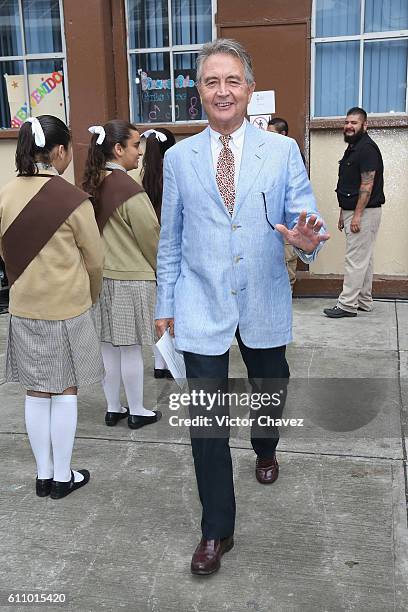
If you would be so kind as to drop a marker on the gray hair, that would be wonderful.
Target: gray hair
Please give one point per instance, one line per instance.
(230, 47)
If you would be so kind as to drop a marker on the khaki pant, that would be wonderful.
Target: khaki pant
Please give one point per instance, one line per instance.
(359, 263)
(291, 263)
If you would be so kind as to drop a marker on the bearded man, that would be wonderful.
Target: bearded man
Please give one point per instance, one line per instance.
(360, 193)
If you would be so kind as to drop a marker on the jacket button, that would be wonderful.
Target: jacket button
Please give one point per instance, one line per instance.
(237, 259)
(234, 227)
(348, 195)
(233, 292)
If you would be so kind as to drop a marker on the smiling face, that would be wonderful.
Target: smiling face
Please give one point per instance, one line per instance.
(354, 128)
(224, 92)
(128, 156)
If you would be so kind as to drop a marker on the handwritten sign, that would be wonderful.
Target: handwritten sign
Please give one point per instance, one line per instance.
(46, 93)
(155, 97)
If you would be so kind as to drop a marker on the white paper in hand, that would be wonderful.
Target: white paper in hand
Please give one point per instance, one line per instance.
(173, 358)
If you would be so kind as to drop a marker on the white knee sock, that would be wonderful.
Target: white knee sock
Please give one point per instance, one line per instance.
(111, 382)
(38, 424)
(63, 426)
(132, 376)
(159, 363)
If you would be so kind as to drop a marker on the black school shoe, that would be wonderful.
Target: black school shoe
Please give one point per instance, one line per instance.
(62, 489)
(112, 418)
(162, 373)
(43, 486)
(135, 421)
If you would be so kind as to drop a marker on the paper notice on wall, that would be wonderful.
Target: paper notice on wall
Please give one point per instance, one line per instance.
(46, 96)
(262, 103)
(260, 121)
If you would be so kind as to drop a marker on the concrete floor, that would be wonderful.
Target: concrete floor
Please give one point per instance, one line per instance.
(329, 535)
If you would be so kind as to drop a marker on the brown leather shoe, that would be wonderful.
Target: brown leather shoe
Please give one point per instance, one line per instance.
(266, 470)
(207, 556)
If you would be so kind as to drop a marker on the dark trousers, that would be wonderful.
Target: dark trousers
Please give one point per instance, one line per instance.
(212, 455)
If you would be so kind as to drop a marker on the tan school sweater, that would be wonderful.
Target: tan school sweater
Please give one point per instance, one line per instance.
(64, 279)
(131, 238)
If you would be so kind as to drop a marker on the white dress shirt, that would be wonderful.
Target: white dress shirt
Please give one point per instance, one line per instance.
(236, 145)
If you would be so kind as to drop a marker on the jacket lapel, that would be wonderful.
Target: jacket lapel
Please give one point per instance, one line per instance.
(203, 166)
(252, 160)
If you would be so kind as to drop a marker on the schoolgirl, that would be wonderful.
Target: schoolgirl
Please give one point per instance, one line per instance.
(157, 143)
(124, 313)
(53, 254)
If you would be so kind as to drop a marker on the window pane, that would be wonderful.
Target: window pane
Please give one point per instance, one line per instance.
(42, 26)
(10, 38)
(192, 22)
(13, 107)
(385, 15)
(188, 104)
(336, 78)
(337, 18)
(148, 24)
(46, 88)
(151, 87)
(385, 76)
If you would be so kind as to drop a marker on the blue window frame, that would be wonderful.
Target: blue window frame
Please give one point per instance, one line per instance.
(359, 56)
(164, 37)
(32, 61)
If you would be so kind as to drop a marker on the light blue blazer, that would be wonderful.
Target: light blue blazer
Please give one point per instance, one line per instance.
(216, 272)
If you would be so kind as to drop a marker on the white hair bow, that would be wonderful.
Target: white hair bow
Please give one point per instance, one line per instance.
(159, 135)
(37, 131)
(98, 129)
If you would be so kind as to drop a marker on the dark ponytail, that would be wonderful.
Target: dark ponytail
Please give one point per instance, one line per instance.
(28, 153)
(116, 131)
(153, 167)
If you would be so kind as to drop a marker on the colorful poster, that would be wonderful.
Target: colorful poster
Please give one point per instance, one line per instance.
(155, 96)
(46, 96)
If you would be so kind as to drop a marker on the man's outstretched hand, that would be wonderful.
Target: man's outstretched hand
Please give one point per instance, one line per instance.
(162, 325)
(305, 235)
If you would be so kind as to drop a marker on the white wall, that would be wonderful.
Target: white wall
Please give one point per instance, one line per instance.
(391, 251)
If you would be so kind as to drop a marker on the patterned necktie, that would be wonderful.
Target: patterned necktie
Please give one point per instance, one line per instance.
(226, 173)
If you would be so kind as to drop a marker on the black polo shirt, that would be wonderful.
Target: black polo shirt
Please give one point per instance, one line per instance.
(363, 156)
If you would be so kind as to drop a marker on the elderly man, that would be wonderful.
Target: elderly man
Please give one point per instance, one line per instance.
(232, 195)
